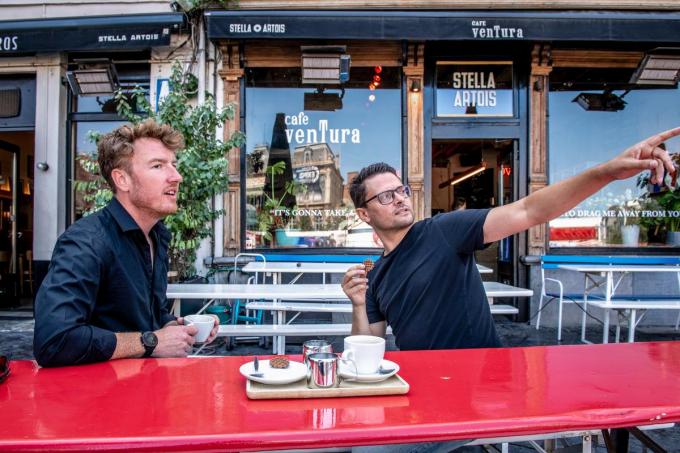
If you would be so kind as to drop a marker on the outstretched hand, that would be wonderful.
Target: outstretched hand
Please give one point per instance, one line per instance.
(645, 155)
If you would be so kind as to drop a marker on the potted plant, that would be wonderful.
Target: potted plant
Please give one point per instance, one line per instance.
(274, 216)
(624, 227)
(665, 200)
(202, 164)
(670, 203)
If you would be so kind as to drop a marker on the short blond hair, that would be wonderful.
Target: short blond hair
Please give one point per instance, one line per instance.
(115, 149)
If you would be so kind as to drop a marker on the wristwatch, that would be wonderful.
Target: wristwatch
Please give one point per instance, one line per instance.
(149, 341)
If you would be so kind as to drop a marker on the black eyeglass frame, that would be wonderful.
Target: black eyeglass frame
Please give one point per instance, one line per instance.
(401, 190)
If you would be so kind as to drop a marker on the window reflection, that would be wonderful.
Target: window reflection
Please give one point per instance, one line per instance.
(85, 153)
(627, 213)
(304, 146)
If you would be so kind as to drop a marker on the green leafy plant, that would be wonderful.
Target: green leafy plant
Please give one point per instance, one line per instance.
(202, 163)
(274, 213)
(668, 199)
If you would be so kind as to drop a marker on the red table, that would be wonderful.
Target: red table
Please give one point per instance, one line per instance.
(200, 403)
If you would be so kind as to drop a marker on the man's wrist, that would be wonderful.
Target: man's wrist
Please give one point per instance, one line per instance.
(149, 342)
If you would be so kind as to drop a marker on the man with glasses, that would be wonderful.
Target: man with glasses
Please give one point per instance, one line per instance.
(426, 285)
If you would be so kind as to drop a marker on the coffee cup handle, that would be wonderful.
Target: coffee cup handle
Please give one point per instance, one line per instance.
(348, 356)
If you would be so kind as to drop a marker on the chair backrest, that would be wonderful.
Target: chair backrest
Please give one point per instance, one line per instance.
(304, 258)
(552, 261)
(258, 257)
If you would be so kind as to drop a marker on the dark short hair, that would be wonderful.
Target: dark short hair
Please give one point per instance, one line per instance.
(357, 188)
(115, 149)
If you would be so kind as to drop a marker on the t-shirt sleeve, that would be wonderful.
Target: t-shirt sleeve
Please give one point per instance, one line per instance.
(372, 308)
(463, 230)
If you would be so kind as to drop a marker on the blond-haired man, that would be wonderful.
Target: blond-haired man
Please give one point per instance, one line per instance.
(104, 294)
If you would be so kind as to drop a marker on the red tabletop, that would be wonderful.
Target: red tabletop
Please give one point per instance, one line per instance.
(200, 403)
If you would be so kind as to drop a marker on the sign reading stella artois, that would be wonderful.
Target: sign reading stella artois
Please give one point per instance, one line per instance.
(474, 88)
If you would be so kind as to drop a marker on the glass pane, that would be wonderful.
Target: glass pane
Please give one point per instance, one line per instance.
(305, 144)
(588, 129)
(85, 151)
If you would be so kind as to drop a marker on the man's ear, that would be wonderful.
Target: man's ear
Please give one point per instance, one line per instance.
(363, 215)
(121, 179)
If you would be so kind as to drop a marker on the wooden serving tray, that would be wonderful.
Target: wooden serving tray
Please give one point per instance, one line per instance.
(395, 385)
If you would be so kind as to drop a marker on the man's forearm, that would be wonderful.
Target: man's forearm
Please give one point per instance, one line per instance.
(556, 199)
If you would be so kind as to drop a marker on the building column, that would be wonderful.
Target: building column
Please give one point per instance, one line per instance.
(231, 74)
(50, 146)
(413, 72)
(541, 66)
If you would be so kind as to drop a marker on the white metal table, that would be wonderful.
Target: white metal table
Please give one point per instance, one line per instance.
(274, 292)
(607, 278)
(276, 268)
(277, 294)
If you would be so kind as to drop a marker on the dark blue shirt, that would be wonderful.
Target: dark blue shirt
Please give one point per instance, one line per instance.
(429, 289)
(101, 280)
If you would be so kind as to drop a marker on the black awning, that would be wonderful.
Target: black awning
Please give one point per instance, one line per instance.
(460, 25)
(88, 33)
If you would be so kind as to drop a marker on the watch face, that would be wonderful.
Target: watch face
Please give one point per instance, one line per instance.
(150, 339)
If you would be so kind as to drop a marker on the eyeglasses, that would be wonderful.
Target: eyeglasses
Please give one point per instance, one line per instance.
(387, 196)
(4, 368)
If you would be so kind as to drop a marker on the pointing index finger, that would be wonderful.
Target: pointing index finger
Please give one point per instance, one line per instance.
(663, 136)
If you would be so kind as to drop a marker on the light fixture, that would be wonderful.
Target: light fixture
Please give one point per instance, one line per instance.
(601, 102)
(325, 65)
(459, 177)
(415, 86)
(93, 77)
(658, 67)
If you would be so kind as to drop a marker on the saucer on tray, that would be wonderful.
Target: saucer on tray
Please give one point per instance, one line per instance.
(347, 372)
(275, 376)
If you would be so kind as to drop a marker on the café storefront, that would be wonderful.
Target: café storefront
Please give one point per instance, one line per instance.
(57, 78)
(473, 108)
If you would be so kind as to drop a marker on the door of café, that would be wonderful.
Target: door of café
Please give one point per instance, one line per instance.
(477, 174)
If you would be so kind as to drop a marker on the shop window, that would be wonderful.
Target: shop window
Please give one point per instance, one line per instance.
(85, 156)
(304, 145)
(94, 115)
(595, 114)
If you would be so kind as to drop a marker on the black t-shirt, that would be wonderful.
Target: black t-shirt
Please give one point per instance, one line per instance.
(428, 288)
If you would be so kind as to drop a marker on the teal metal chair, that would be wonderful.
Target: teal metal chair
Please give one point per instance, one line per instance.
(239, 312)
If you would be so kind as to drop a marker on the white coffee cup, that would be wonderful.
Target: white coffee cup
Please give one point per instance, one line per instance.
(204, 324)
(365, 352)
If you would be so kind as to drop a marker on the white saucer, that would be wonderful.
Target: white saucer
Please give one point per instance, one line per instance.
(294, 372)
(347, 371)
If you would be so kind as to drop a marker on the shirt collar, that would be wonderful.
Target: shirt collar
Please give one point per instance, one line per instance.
(121, 216)
(127, 223)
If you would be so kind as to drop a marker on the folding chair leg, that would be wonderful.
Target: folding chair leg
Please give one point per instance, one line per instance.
(583, 321)
(540, 309)
(559, 322)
